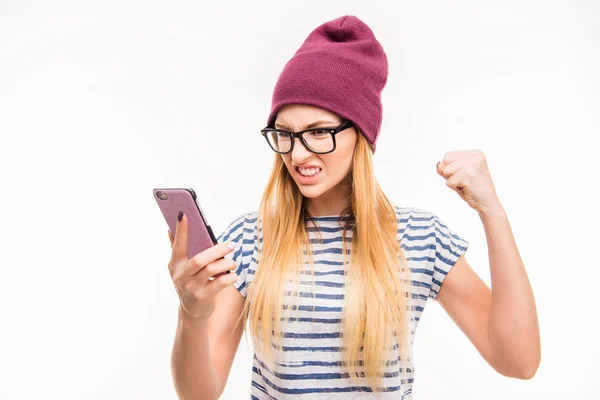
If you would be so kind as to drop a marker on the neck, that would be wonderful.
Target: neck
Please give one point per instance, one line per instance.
(332, 202)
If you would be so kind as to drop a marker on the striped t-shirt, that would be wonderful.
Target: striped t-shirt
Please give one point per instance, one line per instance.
(311, 356)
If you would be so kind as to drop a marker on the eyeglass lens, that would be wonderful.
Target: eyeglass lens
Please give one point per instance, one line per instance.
(317, 140)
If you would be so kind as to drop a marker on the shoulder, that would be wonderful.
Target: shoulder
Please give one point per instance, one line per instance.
(242, 230)
(416, 231)
(412, 220)
(431, 247)
(410, 217)
(244, 223)
(423, 229)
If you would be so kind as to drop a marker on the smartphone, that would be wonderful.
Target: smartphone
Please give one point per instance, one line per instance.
(173, 200)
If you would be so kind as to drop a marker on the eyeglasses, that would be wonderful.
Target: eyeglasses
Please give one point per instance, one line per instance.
(316, 140)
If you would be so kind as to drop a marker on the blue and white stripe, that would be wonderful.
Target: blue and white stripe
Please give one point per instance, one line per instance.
(309, 365)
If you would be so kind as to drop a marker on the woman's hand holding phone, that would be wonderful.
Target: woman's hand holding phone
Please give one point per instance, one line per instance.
(192, 277)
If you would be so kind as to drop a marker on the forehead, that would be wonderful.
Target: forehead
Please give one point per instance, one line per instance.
(299, 115)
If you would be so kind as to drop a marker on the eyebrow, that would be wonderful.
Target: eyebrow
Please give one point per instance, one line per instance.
(309, 126)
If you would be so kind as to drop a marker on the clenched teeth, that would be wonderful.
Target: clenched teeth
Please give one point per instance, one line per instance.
(309, 171)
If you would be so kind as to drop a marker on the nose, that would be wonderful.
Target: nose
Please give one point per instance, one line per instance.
(300, 153)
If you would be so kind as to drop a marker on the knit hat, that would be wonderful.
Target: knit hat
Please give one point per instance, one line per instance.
(340, 67)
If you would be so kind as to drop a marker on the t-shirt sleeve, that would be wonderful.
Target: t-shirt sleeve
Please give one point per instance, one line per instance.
(449, 246)
(235, 233)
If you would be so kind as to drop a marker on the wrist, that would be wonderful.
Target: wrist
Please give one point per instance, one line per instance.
(187, 320)
(492, 211)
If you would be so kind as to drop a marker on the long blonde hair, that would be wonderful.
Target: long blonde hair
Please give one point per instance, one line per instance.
(377, 297)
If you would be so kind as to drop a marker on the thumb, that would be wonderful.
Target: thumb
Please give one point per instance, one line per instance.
(440, 167)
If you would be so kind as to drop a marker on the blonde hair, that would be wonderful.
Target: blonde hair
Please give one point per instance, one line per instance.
(377, 287)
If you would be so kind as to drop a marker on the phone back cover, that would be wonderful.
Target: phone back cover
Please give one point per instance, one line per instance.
(181, 200)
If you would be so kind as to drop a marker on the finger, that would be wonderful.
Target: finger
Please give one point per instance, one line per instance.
(215, 269)
(457, 181)
(170, 238)
(456, 155)
(440, 167)
(206, 257)
(181, 239)
(447, 170)
(221, 273)
(220, 283)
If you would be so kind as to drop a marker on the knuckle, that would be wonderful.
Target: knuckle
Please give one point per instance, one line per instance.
(232, 278)
(220, 281)
(231, 265)
(201, 295)
(188, 286)
(199, 259)
(178, 273)
(223, 283)
(196, 262)
(210, 269)
(177, 278)
(229, 280)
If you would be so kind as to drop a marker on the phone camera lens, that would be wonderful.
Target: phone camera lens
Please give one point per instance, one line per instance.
(161, 195)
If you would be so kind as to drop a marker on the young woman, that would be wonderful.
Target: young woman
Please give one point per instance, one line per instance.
(331, 275)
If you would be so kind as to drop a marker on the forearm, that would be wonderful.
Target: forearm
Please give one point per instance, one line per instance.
(194, 375)
(513, 329)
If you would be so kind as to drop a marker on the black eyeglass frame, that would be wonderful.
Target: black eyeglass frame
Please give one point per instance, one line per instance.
(333, 131)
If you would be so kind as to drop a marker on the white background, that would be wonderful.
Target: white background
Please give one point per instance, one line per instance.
(100, 102)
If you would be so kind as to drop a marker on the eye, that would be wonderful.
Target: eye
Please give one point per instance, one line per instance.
(319, 133)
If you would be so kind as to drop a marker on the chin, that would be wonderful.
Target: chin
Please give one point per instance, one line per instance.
(311, 192)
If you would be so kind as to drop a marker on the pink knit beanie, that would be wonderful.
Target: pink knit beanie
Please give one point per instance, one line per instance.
(340, 67)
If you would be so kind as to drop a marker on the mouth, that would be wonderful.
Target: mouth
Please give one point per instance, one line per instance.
(307, 175)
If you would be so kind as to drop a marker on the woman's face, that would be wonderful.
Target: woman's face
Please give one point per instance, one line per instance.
(332, 168)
